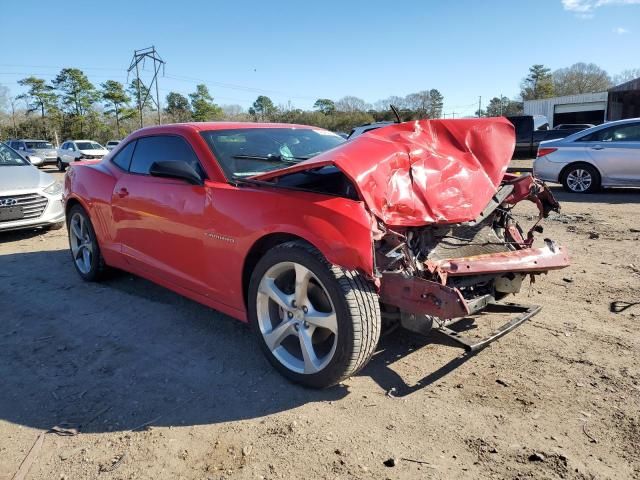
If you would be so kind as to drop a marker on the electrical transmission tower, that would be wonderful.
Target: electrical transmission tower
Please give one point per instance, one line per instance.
(141, 56)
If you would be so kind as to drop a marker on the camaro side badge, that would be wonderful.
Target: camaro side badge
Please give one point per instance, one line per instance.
(220, 237)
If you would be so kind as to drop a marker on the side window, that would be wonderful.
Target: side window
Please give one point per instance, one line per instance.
(620, 133)
(598, 136)
(162, 148)
(626, 133)
(123, 158)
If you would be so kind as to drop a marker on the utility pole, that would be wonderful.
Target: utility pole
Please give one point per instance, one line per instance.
(480, 106)
(140, 56)
(12, 101)
(500, 104)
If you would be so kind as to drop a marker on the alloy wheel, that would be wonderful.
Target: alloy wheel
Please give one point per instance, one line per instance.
(297, 318)
(81, 243)
(579, 180)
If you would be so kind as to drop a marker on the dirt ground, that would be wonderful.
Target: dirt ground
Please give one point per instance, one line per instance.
(161, 387)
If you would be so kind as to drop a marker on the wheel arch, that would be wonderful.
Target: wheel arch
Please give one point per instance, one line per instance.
(566, 168)
(257, 251)
(71, 202)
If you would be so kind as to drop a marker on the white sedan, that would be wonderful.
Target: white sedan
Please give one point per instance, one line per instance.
(604, 156)
(28, 197)
(75, 150)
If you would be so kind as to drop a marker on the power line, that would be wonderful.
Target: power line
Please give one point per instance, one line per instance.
(182, 78)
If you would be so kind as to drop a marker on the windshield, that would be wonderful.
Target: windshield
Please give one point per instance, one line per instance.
(88, 146)
(38, 145)
(250, 151)
(10, 158)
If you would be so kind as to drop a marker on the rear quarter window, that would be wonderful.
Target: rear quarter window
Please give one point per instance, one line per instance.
(123, 157)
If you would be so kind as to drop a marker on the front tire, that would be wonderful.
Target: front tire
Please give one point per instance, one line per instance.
(317, 323)
(581, 178)
(61, 166)
(83, 244)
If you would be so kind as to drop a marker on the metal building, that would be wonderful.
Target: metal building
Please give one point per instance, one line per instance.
(624, 100)
(581, 108)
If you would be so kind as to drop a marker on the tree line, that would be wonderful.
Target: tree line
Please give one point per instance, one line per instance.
(71, 106)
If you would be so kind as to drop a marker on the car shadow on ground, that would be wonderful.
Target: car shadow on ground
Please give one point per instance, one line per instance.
(606, 195)
(125, 354)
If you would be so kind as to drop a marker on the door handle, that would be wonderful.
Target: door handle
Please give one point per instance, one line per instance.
(123, 192)
(597, 147)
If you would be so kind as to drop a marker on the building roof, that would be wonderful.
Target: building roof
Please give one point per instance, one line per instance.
(577, 98)
(626, 86)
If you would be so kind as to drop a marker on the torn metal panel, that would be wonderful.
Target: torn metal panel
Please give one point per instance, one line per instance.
(420, 296)
(525, 260)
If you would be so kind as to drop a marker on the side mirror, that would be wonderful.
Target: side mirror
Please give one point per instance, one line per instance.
(173, 169)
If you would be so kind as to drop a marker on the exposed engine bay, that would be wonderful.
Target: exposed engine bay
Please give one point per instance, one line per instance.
(492, 250)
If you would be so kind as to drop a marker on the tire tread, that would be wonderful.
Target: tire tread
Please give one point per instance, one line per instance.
(364, 308)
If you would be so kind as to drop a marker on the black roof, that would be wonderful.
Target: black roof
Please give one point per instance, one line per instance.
(626, 86)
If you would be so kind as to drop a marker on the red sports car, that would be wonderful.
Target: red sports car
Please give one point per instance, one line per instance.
(315, 241)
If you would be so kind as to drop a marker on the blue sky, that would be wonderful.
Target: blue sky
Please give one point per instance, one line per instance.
(302, 50)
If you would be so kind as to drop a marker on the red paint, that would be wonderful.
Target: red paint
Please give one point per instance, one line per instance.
(195, 239)
(422, 172)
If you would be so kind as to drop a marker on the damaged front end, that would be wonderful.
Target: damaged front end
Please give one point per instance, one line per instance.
(433, 275)
(446, 243)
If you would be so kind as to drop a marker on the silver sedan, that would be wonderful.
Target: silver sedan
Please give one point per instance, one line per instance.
(28, 197)
(604, 156)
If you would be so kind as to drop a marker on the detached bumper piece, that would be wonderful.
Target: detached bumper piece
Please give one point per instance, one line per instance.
(528, 260)
(524, 313)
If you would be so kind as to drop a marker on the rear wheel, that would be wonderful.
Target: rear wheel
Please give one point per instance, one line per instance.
(581, 178)
(317, 323)
(83, 243)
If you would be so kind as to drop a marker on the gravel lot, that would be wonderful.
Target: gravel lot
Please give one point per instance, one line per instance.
(162, 387)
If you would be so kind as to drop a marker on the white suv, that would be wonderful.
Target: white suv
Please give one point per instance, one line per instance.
(75, 150)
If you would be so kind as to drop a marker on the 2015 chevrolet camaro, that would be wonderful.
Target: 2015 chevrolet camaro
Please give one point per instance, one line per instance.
(315, 241)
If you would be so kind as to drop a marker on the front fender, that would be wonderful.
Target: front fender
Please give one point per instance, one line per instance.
(344, 239)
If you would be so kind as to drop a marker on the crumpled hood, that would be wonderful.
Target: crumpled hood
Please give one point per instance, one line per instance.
(425, 171)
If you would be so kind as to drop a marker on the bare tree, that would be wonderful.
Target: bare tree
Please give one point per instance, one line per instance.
(626, 76)
(352, 104)
(580, 78)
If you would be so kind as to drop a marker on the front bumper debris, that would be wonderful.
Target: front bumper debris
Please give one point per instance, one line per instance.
(527, 260)
(524, 313)
(422, 297)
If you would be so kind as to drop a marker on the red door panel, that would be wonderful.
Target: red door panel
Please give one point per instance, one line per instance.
(159, 226)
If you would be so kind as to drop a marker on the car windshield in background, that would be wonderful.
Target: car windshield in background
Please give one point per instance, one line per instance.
(9, 158)
(88, 146)
(251, 151)
(38, 145)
